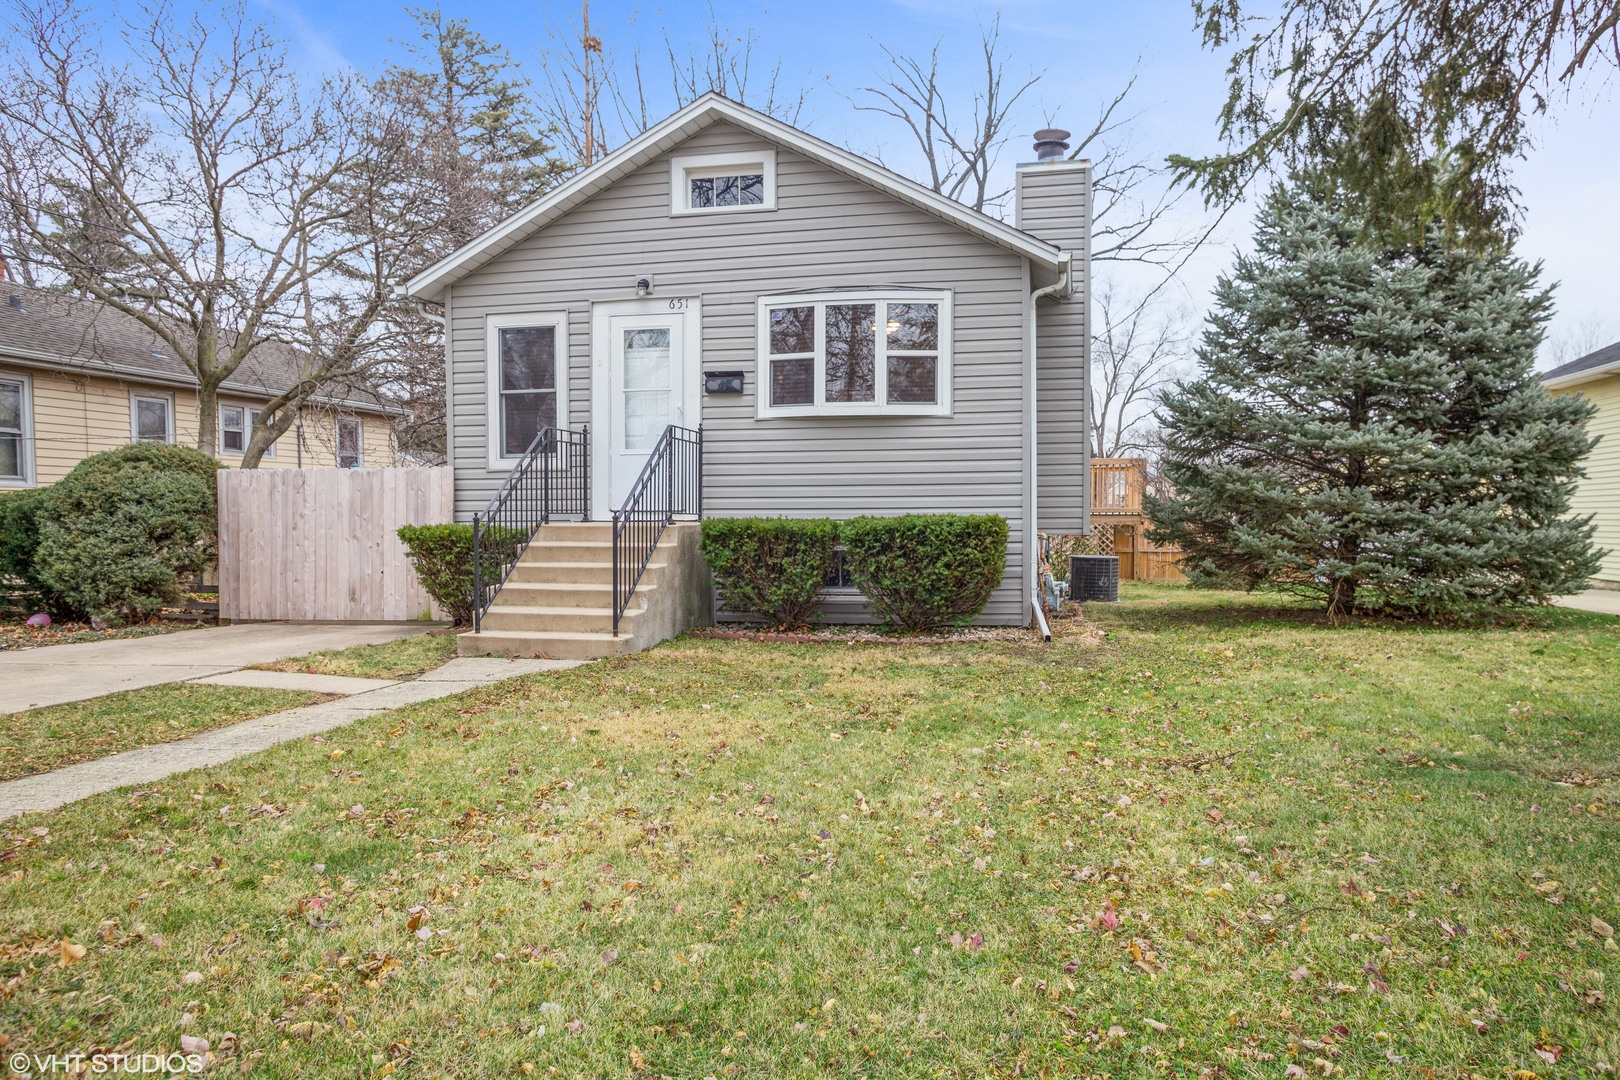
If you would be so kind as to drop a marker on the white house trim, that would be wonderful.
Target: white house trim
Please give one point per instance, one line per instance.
(685, 168)
(709, 109)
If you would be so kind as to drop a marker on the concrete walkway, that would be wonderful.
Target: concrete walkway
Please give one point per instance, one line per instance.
(55, 674)
(148, 764)
(1603, 601)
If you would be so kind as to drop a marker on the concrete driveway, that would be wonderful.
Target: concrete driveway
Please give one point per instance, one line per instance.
(1603, 601)
(54, 674)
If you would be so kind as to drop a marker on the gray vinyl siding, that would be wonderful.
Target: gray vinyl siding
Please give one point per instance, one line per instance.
(1053, 202)
(829, 231)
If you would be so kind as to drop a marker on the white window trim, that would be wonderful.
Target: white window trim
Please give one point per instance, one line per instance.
(250, 415)
(696, 166)
(880, 406)
(26, 461)
(493, 325)
(134, 419)
(337, 440)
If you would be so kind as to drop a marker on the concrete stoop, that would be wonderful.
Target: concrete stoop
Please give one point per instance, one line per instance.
(558, 602)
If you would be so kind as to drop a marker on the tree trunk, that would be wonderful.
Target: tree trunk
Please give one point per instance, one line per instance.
(1342, 600)
(208, 380)
(265, 432)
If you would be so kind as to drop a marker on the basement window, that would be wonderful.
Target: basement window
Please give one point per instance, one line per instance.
(855, 354)
(723, 183)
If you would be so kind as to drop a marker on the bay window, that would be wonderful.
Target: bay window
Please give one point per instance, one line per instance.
(855, 353)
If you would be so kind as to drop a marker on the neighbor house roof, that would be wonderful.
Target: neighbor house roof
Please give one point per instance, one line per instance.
(664, 136)
(1595, 365)
(44, 329)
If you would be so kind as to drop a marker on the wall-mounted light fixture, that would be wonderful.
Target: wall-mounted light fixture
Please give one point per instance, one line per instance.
(644, 285)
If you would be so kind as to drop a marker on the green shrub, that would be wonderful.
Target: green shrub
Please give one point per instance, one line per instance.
(19, 542)
(442, 556)
(119, 534)
(926, 571)
(775, 568)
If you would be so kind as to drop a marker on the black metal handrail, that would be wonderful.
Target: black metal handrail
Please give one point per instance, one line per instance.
(670, 485)
(553, 478)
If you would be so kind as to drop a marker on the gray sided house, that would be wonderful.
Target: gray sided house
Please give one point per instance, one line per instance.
(847, 341)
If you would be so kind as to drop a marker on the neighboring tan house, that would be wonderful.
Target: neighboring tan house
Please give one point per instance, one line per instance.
(78, 377)
(1597, 376)
(848, 341)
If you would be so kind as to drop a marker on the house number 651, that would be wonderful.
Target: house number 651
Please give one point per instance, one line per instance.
(677, 305)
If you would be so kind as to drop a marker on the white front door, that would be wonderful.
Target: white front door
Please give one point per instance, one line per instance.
(644, 382)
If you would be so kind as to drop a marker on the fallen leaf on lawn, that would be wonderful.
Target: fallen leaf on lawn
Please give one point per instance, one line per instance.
(1350, 888)
(1602, 928)
(1214, 814)
(71, 953)
(1549, 1054)
(1117, 1032)
(1157, 1025)
(192, 978)
(423, 934)
(1108, 920)
(575, 1026)
(1069, 1012)
(1072, 966)
(609, 956)
(975, 942)
(1548, 886)
(1300, 974)
(193, 1044)
(636, 1060)
(1295, 1072)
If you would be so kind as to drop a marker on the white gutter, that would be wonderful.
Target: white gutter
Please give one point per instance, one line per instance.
(1057, 288)
(1576, 378)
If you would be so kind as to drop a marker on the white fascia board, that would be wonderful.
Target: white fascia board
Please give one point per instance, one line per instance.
(671, 132)
(1576, 378)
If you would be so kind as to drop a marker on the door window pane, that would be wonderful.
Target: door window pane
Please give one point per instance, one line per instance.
(913, 327)
(912, 378)
(646, 386)
(152, 419)
(851, 351)
(231, 436)
(793, 330)
(793, 382)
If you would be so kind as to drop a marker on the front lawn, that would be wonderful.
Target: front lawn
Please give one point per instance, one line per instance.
(39, 740)
(402, 658)
(1225, 840)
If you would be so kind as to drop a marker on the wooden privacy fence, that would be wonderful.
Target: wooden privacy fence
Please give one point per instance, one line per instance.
(319, 545)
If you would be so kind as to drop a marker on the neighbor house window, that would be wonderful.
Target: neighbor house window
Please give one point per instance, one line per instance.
(14, 422)
(236, 428)
(528, 368)
(855, 353)
(350, 450)
(718, 183)
(152, 418)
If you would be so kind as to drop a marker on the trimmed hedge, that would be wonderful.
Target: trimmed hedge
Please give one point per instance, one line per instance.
(442, 556)
(927, 571)
(775, 568)
(119, 534)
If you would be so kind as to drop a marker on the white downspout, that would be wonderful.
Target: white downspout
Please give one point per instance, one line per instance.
(1057, 288)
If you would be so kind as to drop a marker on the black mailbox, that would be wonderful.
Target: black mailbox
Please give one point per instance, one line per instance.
(723, 382)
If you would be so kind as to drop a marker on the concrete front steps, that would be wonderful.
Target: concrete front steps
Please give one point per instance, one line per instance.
(558, 601)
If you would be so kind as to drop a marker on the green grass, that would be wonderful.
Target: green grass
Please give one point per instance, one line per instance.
(39, 740)
(403, 658)
(1327, 846)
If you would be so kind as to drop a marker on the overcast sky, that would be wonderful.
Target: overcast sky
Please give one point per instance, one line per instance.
(1084, 51)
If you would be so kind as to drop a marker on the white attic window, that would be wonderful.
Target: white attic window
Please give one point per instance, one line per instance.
(722, 183)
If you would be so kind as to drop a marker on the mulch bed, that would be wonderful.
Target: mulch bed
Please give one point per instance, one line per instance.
(14, 635)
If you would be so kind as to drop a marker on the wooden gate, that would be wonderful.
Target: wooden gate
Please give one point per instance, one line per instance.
(319, 545)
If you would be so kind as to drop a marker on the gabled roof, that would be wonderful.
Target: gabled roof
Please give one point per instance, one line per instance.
(1606, 361)
(61, 332)
(675, 129)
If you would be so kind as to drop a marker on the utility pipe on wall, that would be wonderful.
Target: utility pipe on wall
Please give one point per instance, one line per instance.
(1058, 288)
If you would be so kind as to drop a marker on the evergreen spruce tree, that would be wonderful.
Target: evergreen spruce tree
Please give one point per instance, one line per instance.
(1367, 429)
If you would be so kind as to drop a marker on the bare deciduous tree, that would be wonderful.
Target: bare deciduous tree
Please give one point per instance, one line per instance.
(959, 153)
(197, 189)
(1133, 353)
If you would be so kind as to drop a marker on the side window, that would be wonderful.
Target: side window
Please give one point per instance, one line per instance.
(232, 429)
(13, 430)
(528, 385)
(153, 419)
(349, 449)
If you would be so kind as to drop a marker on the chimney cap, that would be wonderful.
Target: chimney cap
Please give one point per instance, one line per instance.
(1050, 143)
